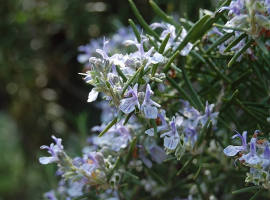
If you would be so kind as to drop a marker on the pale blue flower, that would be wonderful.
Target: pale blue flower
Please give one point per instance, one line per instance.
(93, 160)
(157, 154)
(145, 57)
(208, 114)
(167, 28)
(127, 105)
(251, 158)
(92, 95)
(172, 137)
(173, 41)
(191, 134)
(265, 157)
(162, 127)
(148, 105)
(50, 195)
(53, 150)
(75, 188)
(235, 7)
(103, 51)
(215, 31)
(233, 150)
(122, 140)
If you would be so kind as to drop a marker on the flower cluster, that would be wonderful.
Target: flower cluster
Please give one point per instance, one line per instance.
(255, 154)
(248, 15)
(143, 122)
(174, 39)
(90, 170)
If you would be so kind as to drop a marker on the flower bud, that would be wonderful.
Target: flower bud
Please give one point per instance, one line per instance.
(141, 96)
(262, 21)
(130, 63)
(92, 59)
(161, 87)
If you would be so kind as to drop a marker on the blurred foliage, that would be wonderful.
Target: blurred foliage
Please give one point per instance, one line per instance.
(40, 90)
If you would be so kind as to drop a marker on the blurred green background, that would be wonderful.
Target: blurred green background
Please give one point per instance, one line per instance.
(41, 93)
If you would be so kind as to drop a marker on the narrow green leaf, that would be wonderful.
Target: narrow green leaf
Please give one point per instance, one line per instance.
(128, 117)
(120, 115)
(224, 123)
(242, 50)
(219, 141)
(167, 51)
(208, 24)
(185, 165)
(222, 39)
(137, 33)
(161, 50)
(242, 78)
(213, 66)
(256, 195)
(176, 68)
(141, 20)
(235, 42)
(180, 90)
(251, 113)
(192, 32)
(154, 175)
(108, 127)
(168, 65)
(186, 23)
(170, 159)
(229, 27)
(130, 81)
(230, 101)
(262, 46)
(162, 14)
(218, 56)
(153, 43)
(198, 56)
(131, 175)
(194, 95)
(153, 122)
(259, 110)
(246, 189)
(164, 43)
(260, 79)
(119, 71)
(140, 79)
(199, 170)
(134, 28)
(179, 31)
(208, 131)
(113, 169)
(130, 151)
(202, 133)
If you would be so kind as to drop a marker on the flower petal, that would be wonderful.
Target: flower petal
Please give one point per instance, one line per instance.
(232, 150)
(171, 142)
(150, 112)
(127, 105)
(46, 160)
(92, 96)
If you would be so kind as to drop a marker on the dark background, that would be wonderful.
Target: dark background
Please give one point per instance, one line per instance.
(41, 93)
